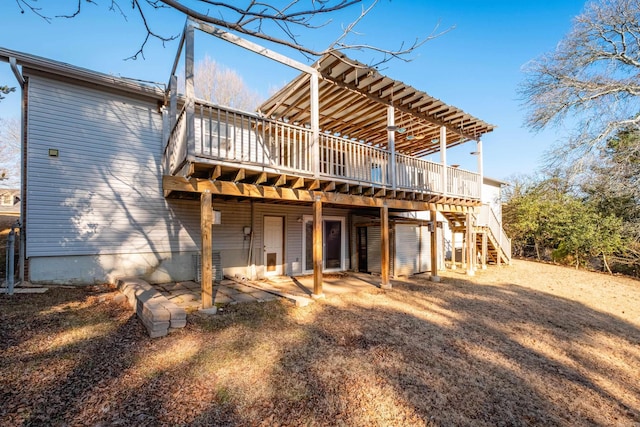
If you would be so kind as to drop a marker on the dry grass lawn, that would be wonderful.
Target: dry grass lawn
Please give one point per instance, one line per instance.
(530, 344)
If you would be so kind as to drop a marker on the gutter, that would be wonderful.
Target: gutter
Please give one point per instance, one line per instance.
(16, 72)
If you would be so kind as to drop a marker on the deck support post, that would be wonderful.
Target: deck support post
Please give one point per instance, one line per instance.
(453, 250)
(485, 248)
(206, 222)
(470, 245)
(434, 246)
(443, 159)
(317, 249)
(384, 247)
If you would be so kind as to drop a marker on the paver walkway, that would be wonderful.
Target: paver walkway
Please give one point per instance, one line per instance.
(297, 289)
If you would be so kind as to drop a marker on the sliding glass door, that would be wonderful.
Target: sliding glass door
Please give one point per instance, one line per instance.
(333, 244)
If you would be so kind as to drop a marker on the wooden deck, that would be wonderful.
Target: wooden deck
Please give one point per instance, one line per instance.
(238, 147)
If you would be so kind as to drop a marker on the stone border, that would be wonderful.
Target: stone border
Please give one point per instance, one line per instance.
(157, 313)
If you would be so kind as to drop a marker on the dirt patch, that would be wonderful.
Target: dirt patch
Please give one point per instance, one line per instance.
(530, 344)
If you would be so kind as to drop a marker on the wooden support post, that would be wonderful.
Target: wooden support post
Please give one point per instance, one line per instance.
(206, 221)
(384, 247)
(453, 250)
(434, 246)
(317, 249)
(463, 251)
(470, 245)
(485, 248)
(189, 89)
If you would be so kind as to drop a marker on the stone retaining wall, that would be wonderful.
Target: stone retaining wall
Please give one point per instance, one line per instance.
(157, 313)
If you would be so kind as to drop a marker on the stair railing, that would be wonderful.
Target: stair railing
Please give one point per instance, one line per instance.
(488, 218)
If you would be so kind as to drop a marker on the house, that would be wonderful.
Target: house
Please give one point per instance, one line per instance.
(9, 201)
(125, 179)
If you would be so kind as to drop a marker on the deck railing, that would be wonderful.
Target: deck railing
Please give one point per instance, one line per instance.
(227, 135)
(354, 161)
(489, 219)
(462, 183)
(240, 137)
(175, 152)
(418, 174)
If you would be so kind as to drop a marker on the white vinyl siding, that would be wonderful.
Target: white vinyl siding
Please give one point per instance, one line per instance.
(103, 193)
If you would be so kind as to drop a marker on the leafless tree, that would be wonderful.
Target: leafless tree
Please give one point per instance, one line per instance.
(591, 81)
(274, 21)
(10, 152)
(216, 83)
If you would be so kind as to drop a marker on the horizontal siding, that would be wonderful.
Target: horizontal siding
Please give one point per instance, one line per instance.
(103, 194)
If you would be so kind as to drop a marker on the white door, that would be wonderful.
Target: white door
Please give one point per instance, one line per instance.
(407, 250)
(273, 245)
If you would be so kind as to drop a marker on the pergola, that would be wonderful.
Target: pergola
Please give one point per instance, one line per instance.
(342, 97)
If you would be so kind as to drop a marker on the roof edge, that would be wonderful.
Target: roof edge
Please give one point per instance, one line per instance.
(71, 71)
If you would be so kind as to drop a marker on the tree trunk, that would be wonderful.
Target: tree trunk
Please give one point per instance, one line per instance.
(606, 265)
(535, 245)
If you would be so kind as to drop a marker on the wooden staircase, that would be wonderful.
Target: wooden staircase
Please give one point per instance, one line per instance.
(498, 244)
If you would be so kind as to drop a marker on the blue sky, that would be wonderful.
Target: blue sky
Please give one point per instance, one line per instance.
(476, 66)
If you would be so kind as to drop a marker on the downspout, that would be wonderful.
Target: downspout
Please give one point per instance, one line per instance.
(23, 168)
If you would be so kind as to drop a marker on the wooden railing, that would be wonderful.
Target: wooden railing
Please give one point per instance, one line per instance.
(462, 183)
(240, 137)
(418, 174)
(227, 135)
(175, 152)
(354, 161)
(488, 218)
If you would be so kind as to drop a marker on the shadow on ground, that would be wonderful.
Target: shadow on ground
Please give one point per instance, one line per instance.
(452, 353)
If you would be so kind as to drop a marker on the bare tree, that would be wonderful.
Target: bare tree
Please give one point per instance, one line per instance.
(590, 80)
(221, 85)
(4, 90)
(273, 21)
(10, 153)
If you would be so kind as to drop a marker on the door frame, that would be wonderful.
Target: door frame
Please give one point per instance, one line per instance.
(343, 246)
(280, 268)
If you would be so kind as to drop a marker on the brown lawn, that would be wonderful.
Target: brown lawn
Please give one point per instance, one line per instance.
(530, 344)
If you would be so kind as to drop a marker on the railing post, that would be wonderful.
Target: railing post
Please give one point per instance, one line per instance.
(315, 125)
(443, 158)
(189, 90)
(470, 243)
(173, 102)
(480, 172)
(391, 145)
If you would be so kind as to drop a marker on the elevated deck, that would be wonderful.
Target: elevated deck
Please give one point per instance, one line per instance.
(239, 147)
